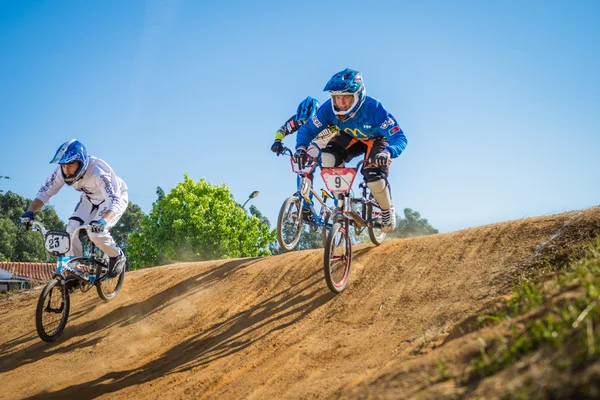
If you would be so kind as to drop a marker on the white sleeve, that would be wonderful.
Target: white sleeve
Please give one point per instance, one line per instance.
(109, 187)
(51, 187)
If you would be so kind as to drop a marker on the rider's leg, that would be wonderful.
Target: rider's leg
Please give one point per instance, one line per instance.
(103, 240)
(106, 242)
(376, 178)
(78, 218)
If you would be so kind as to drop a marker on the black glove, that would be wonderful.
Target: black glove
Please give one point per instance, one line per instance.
(277, 147)
(300, 157)
(382, 160)
(26, 218)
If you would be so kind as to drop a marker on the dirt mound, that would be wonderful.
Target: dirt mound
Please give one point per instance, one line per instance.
(270, 328)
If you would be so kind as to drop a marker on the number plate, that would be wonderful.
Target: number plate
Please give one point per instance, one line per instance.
(338, 180)
(57, 242)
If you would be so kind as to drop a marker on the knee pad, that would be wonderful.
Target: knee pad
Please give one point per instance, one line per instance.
(337, 151)
(74, 223)
(374, 174)
(328, 160)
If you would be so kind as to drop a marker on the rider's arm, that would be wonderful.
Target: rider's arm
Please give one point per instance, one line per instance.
(393, 133)
(288, 128)
(35, 205)
(312, 128)
(107, 183)
(51, 187)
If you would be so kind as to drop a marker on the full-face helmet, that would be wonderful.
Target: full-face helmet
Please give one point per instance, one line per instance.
(347, 82)
(307, 109)
(69, 152)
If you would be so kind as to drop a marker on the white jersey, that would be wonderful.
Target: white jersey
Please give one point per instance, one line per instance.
(99, 184)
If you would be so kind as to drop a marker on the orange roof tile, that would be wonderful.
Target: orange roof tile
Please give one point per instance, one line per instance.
(31, 271)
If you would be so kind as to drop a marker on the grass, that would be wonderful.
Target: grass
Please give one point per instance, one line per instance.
(560, 314)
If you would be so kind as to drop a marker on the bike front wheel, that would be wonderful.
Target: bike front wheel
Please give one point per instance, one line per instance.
(289, 224)
(326, 228)
(338, 257)
(376, 235)
(52, 310)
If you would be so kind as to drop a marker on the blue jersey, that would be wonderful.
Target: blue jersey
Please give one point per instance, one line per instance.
(371, 122)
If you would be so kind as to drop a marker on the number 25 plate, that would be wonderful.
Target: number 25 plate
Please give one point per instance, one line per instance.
(338, 180)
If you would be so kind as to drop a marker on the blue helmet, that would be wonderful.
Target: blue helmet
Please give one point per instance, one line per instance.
(347, 82)
(307, 109)
(69, 152)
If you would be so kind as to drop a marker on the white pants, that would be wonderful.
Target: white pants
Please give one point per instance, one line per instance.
(86, 212)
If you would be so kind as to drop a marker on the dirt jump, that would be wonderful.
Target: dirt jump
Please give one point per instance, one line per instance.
(268, 327)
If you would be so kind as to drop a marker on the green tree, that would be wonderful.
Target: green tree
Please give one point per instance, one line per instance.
(412, 225)
(16, 243)
(197, 221)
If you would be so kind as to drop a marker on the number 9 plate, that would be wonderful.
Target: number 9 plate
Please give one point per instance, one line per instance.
(338, 180)
(57, 242)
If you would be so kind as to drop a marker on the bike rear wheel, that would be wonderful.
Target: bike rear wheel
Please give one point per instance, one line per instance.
(376, 235)
(52, 311)
(109, 288)
(338, 257)
(289, 224)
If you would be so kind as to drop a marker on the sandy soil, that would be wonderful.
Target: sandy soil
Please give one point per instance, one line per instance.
(268, 327)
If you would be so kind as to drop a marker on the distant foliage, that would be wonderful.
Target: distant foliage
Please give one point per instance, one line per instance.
(17, 244)
(197, 221)
(412, 225)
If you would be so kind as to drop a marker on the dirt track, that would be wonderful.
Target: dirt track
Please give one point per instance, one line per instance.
(270, 328)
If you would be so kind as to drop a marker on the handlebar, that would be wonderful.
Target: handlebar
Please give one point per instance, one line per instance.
(36, 225)
(286, 151)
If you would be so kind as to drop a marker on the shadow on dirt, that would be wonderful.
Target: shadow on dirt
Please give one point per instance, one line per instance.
(122, 316)
(220, 340)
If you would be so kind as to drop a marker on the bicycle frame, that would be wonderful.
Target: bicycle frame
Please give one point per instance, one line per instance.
(344, 208)
(305, 189)
(62, 261)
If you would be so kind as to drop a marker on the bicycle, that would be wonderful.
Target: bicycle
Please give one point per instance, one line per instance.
(292, 215)
(338, 247)
(72, 273)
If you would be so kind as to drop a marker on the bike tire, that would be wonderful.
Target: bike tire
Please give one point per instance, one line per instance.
(289, 229)
(326, 228)
(109, 288)
(338, 257)
(49, 329)
(376, 235)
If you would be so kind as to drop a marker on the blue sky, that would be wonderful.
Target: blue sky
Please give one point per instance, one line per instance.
(499, 100)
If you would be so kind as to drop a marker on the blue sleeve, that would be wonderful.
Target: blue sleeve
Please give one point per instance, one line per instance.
(391, 131)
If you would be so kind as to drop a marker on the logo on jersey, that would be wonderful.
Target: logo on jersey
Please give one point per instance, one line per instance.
(316, 121)
(48, 183)
(394, 130)
(387, 123)
(355, 133)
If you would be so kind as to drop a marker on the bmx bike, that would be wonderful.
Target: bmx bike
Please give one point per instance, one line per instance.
(72, 273)
(360, 213)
